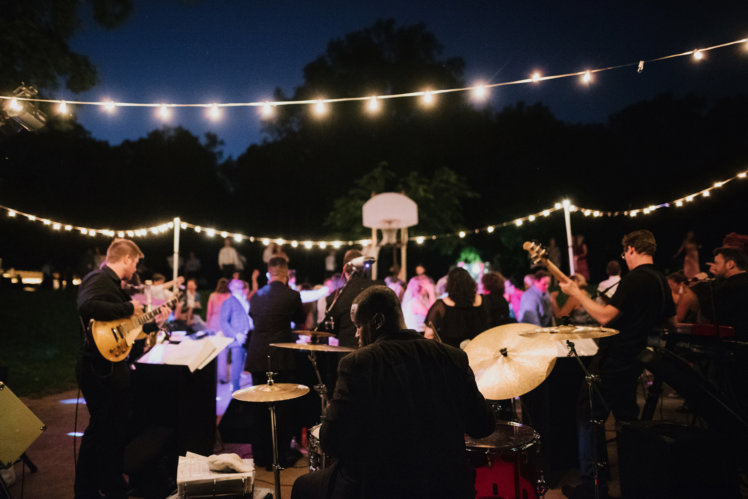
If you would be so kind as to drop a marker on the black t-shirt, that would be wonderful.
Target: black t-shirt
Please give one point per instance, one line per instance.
(645, 302)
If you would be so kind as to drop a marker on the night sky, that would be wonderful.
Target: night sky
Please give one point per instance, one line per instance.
(220, 51)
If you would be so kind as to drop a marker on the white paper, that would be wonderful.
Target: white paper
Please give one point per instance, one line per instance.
(195, 354)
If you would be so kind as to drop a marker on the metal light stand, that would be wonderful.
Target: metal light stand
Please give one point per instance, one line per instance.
(274, 433)
(592, 381)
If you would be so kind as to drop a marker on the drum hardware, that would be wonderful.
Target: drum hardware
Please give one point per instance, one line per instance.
(272, 393)
(320, 387)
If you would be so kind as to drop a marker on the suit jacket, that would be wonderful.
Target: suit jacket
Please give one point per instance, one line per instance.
(272, 309)
(344, 328)
(397, 420)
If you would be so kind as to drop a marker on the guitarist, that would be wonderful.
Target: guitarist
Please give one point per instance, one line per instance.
(106, 385)
(641, 303)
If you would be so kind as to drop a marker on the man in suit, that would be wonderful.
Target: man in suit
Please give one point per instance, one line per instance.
(272, 310)
(401, 408)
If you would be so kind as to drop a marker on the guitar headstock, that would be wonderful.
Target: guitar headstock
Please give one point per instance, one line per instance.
(538, 255)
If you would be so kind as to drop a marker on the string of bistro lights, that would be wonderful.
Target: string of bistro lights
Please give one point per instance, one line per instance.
(210, 232)
(373, 103)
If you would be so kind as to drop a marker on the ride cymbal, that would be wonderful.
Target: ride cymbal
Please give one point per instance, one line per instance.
(562, 333)
(271, 393)
(507, 364)
(312, 346)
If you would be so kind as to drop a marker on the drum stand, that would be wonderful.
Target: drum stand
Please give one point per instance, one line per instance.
(274, 436)
(320, 387)
(592, 381)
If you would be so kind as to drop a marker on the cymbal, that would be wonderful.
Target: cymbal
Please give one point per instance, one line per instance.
(320, 334)
(562, 333)
(312, 346)
(270, 393)
(506, 363)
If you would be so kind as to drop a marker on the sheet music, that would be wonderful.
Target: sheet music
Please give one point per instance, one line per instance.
(195, 354)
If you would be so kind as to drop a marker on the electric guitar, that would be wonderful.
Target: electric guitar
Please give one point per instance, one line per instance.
(539, 256)
(114, 339)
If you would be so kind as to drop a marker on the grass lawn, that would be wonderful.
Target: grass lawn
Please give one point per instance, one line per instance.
(39, 340)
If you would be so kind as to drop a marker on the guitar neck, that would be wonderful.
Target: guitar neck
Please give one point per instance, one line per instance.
(142, 319)
(554, 270)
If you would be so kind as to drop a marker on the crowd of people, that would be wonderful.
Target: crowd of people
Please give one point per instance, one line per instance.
(407, 339)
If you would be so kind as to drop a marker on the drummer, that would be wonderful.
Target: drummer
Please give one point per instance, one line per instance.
(401, 408)
(642, 302)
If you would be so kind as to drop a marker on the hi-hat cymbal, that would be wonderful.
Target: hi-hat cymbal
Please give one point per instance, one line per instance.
(320, 334)
(312, 346)
(271, 393)
(507, 364)
(562, 333)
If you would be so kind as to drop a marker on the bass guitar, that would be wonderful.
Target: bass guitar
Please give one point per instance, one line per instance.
(114, 339)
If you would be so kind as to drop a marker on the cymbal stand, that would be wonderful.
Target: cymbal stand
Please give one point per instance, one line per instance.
(592, 381)
(320, 387)
(274, 433)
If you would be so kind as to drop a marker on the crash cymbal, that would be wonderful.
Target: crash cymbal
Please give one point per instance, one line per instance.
(507, 364)
(312, 346)
(271, 393)
(319, 334)
(562, 333)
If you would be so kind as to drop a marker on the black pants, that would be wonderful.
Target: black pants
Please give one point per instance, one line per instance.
(106, 388)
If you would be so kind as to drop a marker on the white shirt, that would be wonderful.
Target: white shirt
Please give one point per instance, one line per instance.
(610, 284)
(228, 256)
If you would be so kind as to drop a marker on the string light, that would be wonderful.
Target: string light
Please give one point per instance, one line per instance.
(267, 110)
(164, 111)
(420, 239)
(62, 108)
(214, 112)
(480, 92)
(372, 105)
(109, 106)
(320, 108)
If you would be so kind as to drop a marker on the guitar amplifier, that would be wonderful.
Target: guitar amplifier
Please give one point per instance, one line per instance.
(19, 427)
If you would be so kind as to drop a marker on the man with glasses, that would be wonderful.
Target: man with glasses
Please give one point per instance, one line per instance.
(641, 303)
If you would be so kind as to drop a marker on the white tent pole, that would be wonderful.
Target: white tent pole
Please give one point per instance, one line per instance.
(175, 262)
(569, 241)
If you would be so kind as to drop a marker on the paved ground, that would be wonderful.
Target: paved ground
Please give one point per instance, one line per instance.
(53, 451)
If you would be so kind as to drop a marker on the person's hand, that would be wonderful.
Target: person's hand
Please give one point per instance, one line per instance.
(241, 338)
(569, 287)
(137, 307)
(163, 314)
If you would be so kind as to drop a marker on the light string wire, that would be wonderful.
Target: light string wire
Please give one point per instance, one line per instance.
(161, 229)
(536, 77)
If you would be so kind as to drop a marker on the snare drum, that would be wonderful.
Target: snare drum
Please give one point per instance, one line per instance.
(504, 462)
(317, 458)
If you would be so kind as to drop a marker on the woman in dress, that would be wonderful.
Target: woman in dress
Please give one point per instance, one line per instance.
(493, 294)
(421, 296)
(690, 250)
(580, 257)
(213, 319)
(461, 315)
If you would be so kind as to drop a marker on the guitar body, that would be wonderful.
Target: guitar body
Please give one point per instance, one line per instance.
(114, 339)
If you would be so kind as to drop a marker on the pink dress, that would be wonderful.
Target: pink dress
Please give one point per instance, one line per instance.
(213, 315)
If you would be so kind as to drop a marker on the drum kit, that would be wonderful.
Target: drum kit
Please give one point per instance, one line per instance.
(508, 361)
(273, 393)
